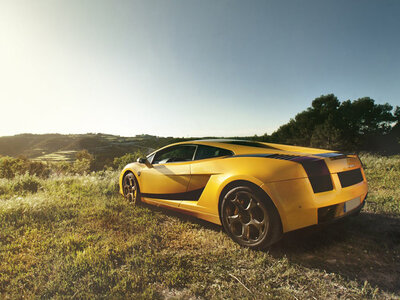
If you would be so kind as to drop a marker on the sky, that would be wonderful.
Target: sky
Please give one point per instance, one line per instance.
(189, 68)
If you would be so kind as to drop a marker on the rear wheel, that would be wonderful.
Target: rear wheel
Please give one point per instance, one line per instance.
(131, 188)
(249, 218)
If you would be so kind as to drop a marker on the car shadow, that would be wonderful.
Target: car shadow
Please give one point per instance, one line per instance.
(182, 216)
(364, 247)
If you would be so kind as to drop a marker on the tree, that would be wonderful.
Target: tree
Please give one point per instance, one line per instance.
(349, 125)
(326, 136)
(397, 115)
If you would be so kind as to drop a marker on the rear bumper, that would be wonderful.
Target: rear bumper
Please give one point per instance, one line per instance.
(299, 206)
(334, 212)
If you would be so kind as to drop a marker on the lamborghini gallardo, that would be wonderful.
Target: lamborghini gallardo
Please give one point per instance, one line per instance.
(256, 191)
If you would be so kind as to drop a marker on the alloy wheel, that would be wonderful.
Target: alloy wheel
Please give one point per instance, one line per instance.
(246, 216)
(130, 188)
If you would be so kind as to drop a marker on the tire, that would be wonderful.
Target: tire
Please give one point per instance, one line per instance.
(250, 218)
(131, 188)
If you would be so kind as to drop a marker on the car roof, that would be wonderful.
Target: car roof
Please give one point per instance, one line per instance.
(238, 146)
(235, 145)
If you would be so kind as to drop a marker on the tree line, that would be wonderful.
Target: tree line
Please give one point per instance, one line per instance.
(359, 125)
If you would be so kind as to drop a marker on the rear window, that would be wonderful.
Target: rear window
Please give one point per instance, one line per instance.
(209, 152)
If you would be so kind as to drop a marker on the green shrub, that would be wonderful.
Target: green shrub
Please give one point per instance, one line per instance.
(62, 168)
(121, 162)
(82, 166)
(5, 188)
(84, 154)
(38, 168)
(25, 183)
(10, 167)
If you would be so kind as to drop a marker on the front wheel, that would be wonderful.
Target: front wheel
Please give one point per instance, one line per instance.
(249, 218)
(131, 188)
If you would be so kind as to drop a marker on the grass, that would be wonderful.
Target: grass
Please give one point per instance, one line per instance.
(75, 237)
(383, 175)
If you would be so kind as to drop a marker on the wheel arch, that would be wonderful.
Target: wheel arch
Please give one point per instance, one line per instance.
(121, 177)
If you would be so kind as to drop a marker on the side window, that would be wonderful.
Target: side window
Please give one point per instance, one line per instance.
(209, 152)
(174, 154)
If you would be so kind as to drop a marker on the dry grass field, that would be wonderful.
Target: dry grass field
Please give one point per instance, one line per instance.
(75, 237)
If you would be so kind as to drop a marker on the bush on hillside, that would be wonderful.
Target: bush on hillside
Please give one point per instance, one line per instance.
(11, 167)
(26, 183)
(121, 162)
(84, 154)
(38, 168)
(82, 166)
(62, 168)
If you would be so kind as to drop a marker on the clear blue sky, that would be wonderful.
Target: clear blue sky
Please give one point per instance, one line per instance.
(189, 68)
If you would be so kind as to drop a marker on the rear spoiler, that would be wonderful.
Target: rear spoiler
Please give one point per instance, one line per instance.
(333, 155)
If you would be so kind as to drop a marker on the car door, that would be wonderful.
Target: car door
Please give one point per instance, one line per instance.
(166, 181)
(204, 165)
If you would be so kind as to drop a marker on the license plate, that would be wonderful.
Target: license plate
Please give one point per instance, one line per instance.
(351, 204)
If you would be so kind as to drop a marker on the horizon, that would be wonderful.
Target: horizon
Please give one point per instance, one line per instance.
(136, 135)
(189, 69)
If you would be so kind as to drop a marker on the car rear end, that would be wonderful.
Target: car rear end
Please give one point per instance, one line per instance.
(349, 184)
(333, 186)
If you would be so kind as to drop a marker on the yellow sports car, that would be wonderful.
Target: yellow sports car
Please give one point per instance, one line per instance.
(256, 191)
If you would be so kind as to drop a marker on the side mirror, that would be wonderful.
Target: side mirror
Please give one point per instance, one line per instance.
(143, 160)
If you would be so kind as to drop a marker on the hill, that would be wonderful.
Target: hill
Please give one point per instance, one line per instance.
(60, 147)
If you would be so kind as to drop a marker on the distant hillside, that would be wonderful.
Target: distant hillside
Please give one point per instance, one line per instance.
(60, 147)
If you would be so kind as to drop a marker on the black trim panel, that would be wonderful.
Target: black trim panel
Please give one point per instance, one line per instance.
(251, 155)
(269, 155)
(188, 196)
